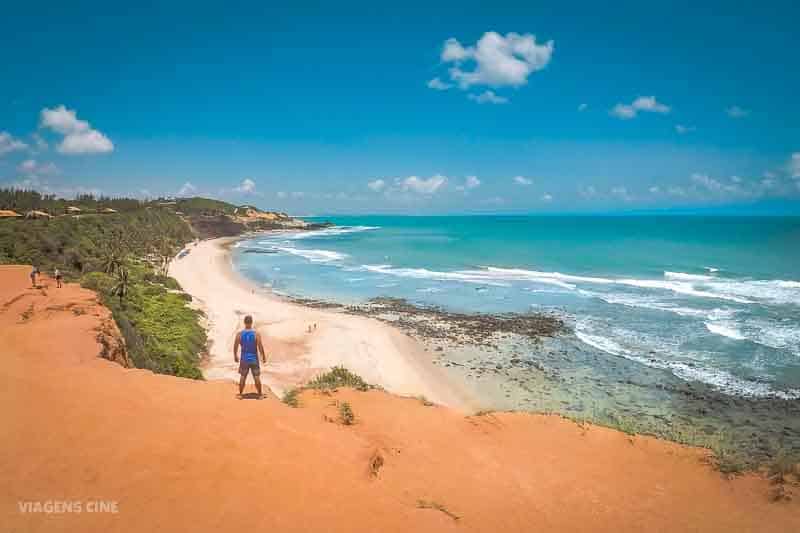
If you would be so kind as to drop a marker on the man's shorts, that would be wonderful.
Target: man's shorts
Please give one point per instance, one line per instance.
(244, 368)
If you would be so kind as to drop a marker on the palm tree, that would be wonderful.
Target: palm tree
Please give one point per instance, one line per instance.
(123, 285)
(111, 261)
(164, 256)
(113, 254)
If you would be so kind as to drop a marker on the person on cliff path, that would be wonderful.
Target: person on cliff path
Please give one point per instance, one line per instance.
(250, 342)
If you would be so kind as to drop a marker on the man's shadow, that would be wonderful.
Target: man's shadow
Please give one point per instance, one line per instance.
(250, 396)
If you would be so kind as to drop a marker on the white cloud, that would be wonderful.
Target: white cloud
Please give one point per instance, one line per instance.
(453, 51)
(623, 111)
(376, 185)
(655, 189)
(768, 183)
(497, 60)
(31, 167)
(794, 165)
(423, 186)
(522, 180)
(547, 197)
(9, 144)
(583, 107)
(587, 192)
(79, 137)
(488, 97)
(706, 182)
(647, 104)
(247, 186)
(737, 112)
(439, 85)
(680, 128)
(41, 144)
(622, 193)
(472, 182)
(293, 194)
(187, 189)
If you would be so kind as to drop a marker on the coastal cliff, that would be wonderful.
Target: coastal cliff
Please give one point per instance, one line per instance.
(178, 454)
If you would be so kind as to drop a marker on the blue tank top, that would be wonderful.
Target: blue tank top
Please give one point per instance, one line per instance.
(249, 348)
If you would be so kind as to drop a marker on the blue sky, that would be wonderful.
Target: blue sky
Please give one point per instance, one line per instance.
(323, 108)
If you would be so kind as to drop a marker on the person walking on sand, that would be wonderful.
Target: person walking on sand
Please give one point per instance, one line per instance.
(57, 275)
(33, 276)
(250, 342)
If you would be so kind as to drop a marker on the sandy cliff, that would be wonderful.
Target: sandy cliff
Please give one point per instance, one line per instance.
(181, 455)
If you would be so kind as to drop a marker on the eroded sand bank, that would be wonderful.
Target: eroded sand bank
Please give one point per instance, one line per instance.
(182, 455)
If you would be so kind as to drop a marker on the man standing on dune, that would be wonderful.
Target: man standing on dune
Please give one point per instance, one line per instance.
(250, 342)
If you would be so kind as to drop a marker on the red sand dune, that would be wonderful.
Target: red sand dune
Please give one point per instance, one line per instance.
(179, 455)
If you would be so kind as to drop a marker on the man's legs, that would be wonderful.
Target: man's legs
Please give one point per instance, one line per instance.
(242, 380)
(258, 384)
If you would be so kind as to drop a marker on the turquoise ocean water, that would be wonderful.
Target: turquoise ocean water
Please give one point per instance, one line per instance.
(714, 300)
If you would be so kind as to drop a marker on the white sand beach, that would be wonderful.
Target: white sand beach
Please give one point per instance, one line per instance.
(302, 341)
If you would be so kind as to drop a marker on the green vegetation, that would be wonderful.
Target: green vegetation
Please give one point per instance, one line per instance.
(22, 201)
(335, 378)
(292, 397)
(122, 256)
(89, 242)
(202, 206)
(161, 333)
(346, 415)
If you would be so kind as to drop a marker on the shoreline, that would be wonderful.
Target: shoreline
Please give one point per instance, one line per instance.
(478, 362)
(523, 368)
(301, 342)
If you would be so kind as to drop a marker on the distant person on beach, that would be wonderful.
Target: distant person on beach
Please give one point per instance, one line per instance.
(250, 342)
(34, 272)
(57, 275)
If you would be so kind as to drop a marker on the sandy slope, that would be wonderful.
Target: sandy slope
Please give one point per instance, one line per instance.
(179, 455)
(379, 353)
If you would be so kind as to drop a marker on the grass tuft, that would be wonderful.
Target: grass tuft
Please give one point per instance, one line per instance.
(336, 377)
(346, 415)
(292, 397)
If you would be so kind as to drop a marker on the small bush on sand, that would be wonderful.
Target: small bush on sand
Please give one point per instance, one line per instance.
(346, 415)
(292, 397)
(336, 377)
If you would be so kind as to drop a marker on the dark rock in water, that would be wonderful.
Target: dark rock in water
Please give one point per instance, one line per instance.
(463, 328)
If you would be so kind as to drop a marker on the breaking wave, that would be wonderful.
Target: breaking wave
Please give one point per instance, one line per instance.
(719, 379)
